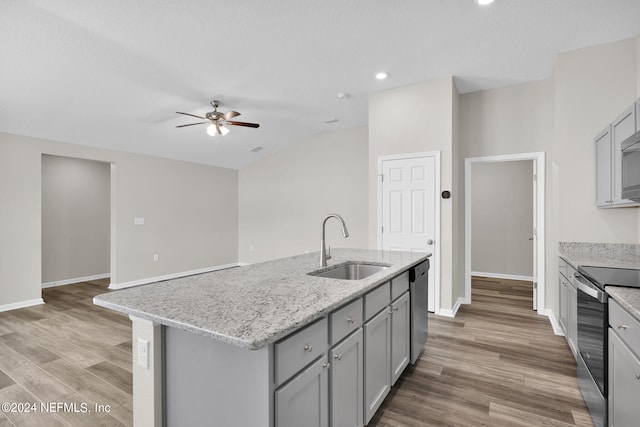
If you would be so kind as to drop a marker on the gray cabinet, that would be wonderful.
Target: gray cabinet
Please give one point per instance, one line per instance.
(338, 371)
(400, 344)
(377, 353)
(304, 401)
(347, 383)
(568, 307)
(603, 168)
(624, 367)
(609, 159)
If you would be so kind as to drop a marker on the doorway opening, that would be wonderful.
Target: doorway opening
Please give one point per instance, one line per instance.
(528, 237)
(409, 210)
(76, 216)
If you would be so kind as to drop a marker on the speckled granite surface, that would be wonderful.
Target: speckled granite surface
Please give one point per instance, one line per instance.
(629, 298)
(256, 305)
(600, 254)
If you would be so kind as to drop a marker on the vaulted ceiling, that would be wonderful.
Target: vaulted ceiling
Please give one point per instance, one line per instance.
(113, 73)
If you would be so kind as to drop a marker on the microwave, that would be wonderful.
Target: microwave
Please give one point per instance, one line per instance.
(631, 168)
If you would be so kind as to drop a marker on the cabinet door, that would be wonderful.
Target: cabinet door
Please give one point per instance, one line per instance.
(572, 318)
(603, 168)
(377, 359)
(624, 383)
(304, 401)
(622, 128)
(400, 344)
(346, 397)
(562, 315)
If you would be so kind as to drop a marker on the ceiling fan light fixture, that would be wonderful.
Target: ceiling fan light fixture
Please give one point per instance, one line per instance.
(223, 130)
(211, 130)
(484, 2)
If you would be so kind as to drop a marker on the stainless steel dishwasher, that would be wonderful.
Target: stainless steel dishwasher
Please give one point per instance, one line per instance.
(419, 281)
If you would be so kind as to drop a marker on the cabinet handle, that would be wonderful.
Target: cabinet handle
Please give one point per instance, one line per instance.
(308, 348)
(350, 320)
(337, 357)
(621, 326)
(326, 365)
(396, 309)
(390, 311)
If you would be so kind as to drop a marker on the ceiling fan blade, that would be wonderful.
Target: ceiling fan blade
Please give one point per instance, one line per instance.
(192, 115)
(245, 124)
(191, 124)
(230, 115)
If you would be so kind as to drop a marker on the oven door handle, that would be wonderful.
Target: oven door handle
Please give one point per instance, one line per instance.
(589, 290)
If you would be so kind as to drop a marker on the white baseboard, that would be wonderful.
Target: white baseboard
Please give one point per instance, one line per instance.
(75, 280)
(173, 276)
(21, 304)
(502, 276)
(554, 322)
(451, 313)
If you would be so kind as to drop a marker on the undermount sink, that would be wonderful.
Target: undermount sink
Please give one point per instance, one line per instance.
(351, 271)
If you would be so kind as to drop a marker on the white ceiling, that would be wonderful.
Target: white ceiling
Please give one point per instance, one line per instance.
(113, 73)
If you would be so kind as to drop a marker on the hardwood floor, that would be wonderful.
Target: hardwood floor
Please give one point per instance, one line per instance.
(67, 351)
(498, 363)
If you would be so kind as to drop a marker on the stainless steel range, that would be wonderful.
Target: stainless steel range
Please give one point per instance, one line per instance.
(593, 317)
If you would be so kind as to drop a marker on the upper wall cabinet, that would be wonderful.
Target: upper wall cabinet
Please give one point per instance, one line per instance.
(609, 158)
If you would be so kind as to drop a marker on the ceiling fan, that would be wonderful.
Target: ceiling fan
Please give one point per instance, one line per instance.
(216, 120)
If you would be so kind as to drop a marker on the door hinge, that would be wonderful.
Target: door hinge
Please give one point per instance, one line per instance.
(381, 177)
(535, 177)
(382, 230)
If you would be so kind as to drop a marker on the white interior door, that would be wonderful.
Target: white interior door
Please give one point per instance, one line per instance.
(408, 209)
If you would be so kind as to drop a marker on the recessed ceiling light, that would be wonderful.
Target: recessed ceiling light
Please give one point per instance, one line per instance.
(382, 75)
(484, 2)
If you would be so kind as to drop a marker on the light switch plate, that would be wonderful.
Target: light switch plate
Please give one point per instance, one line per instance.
(138, 221)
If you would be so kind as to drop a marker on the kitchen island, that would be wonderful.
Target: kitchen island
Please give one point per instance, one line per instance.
(212, 348)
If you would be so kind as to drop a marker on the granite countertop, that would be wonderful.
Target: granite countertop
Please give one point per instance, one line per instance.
(254, 306)
(629, 298)
(600, 255)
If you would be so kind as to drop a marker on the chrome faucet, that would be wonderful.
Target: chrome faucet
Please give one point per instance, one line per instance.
(324, 255)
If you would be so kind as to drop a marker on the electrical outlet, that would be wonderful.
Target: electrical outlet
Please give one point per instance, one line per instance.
(155, 257)
(143, 353)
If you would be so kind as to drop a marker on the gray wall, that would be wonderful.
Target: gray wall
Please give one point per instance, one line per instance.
(190, 211)
(284, 197)
(502, 218)
(419, 118)
(560, 116)
(75, 218)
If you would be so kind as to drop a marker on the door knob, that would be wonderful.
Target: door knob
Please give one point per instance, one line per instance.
(429, 242)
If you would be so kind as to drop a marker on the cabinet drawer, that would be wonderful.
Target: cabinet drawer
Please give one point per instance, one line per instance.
(376, 300)
(399, 285)
(625, 325)
(296, 351)
(345, 320)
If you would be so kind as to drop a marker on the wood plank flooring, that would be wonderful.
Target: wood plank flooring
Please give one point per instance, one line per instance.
(498, 363)
(67, 351)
